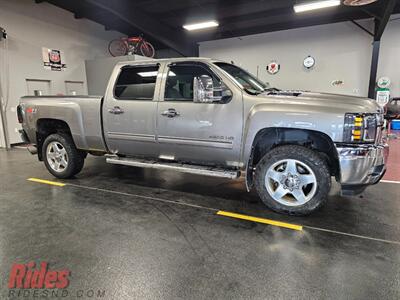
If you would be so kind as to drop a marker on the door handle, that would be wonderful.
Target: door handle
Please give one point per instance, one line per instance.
(116, 110)
(170, 113)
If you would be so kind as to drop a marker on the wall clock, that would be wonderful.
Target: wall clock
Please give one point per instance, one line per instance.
(309, 62)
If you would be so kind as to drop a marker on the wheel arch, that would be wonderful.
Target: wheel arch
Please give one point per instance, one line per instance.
(267, 139)
(46, 127)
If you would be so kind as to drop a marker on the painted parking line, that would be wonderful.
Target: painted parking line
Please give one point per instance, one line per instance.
(222, 213)
(46, 181)
(390, 181)
(260, 220)
(353, 235)
(218, 212)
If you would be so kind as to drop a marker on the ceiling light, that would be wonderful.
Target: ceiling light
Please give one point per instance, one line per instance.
(148, 74)
(202, 25)
(315, 5)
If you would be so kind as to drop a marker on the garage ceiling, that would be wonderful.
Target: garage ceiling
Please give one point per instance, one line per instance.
(161, 21)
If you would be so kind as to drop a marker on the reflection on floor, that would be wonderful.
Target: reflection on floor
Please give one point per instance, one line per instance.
(135, 248)
(393, 171)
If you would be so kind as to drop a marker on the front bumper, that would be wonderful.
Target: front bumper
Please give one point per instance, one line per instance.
(362, 165)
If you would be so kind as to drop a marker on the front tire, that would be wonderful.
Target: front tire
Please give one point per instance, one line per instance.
(293, 180)
(61, 157)
(147, 49)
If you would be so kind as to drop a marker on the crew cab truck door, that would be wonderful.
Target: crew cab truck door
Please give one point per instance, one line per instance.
(201, 133)
(129, 110)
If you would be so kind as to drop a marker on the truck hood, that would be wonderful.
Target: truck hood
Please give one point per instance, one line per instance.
(344, 103)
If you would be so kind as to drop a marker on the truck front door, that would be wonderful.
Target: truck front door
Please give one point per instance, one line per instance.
(129, 111)
(203, 133)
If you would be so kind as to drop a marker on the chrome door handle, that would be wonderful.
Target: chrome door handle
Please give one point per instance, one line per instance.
(170, 113)
(116, 110)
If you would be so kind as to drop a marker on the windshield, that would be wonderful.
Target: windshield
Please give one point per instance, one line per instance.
(249, 82)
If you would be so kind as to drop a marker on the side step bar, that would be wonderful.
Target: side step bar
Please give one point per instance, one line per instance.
(185, 168)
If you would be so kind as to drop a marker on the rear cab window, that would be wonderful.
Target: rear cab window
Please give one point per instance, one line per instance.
(136, 83)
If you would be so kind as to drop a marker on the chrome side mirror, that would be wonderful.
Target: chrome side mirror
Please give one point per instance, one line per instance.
(203, 89)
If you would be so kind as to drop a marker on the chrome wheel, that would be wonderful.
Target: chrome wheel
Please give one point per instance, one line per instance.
(57, 156)
(291, 182)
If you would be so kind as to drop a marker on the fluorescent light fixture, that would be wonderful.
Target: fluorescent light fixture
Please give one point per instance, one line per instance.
(148, 74)
(202, 25)
(315, 5)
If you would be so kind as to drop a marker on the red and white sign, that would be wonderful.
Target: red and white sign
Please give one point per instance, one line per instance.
(53, 60)
(273, 67)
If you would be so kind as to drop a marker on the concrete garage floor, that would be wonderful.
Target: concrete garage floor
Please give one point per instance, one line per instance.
(113, 230)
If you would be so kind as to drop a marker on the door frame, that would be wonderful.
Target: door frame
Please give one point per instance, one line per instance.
(217, 143)
(110, 97)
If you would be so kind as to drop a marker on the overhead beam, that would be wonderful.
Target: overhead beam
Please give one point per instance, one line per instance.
(381, 23)
(275, 23)
(362, 27)
(374, 68)
(135, 17)
(220, 12)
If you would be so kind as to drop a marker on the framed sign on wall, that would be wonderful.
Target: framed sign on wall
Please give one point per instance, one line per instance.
(53, 60)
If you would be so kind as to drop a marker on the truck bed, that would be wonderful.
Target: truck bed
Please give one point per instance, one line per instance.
(81, 113)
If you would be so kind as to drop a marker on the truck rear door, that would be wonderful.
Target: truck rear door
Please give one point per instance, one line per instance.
(129, 110)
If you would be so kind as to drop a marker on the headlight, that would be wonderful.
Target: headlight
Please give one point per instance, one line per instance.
(359, 128)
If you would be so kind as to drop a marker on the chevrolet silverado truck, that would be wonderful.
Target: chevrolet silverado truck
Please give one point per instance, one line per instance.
(212, 118)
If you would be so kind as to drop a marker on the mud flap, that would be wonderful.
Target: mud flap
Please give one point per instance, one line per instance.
(250, 174)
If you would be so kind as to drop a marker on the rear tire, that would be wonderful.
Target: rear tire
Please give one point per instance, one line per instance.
(117, 47)
(293, 180)
(61, 157)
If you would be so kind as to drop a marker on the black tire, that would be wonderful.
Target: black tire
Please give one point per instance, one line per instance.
(75, 157)
(306, 156)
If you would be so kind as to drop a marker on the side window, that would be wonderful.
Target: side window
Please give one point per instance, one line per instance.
(179, 84)
(136, 83)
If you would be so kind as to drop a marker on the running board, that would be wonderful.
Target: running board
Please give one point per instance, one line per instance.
(185, 168)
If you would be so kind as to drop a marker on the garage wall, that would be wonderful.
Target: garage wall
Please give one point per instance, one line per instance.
(98, 71)
(342, 52)
(32, 26)
(389, 61)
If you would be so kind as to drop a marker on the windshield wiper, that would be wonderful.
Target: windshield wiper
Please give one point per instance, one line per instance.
(253, 92)
(271, 90)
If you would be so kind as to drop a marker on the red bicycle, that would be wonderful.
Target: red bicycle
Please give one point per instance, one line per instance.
(131, 45)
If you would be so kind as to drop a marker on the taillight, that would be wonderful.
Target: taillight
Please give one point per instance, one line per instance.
(20, 114)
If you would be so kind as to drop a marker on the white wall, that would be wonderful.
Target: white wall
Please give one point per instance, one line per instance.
(342, 52)
(389, 58)
(32, 26)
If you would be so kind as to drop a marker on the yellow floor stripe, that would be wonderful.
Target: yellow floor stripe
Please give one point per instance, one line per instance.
(260, 220)
(46, 181)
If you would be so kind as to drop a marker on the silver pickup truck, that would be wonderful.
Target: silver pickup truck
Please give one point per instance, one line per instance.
(212, 118)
